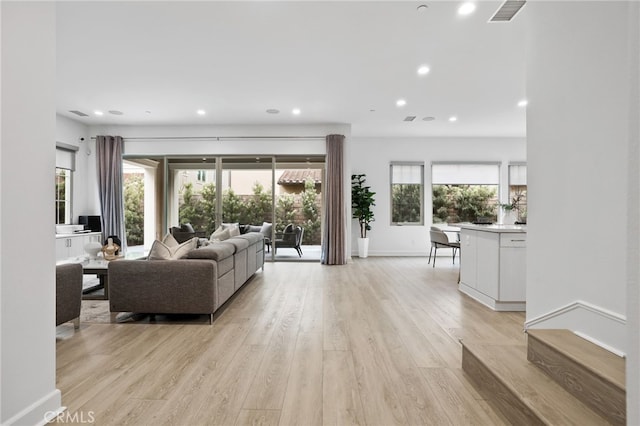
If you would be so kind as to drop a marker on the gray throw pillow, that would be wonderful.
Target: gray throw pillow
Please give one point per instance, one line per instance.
(187, 227)
(266, 229)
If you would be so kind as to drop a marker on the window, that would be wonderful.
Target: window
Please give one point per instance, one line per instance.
(518, 190)
(465, 192)
(65, 164)
(63, 197)
(407, 193)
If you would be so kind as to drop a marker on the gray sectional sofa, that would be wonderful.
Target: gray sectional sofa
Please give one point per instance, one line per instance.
(200, 283)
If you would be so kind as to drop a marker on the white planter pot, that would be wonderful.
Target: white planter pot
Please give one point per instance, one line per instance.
(363, 247)
(510, 217)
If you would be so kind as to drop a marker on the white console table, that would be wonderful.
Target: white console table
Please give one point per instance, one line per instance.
(493, 265)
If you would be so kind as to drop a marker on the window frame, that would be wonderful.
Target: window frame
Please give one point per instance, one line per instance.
(497, 164)
(68, 178)
(65, 160)
(420, 164)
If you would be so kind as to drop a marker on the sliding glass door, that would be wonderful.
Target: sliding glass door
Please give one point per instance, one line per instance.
(272, 194)
(247, 195)
(192, 194)
(298, 207)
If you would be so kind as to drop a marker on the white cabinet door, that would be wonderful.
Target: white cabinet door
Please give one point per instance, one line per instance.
(93, 238)
(73, 245)
(62, 248)
(513, 267)
(76, 246)
(468, 257)
(488, 258)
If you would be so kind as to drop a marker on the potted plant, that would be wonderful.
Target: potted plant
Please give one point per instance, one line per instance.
(511, 208)
(361, 202)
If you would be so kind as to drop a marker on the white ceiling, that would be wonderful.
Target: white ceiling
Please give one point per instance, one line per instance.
(339, 62)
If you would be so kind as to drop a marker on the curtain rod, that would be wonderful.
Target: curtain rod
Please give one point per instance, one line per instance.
(217, 138)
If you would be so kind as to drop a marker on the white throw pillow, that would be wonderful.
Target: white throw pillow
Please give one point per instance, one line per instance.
(161, 251)
(170, 241)
(234, 231)
(220, 235)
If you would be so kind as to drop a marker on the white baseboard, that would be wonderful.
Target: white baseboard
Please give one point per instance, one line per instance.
(496, 305)
(600, 326)
(38, 413)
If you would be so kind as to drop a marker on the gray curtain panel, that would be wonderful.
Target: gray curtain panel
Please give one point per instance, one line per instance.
(110, 186)
(334, 234)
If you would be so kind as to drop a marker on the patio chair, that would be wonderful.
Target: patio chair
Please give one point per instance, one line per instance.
(290, 238)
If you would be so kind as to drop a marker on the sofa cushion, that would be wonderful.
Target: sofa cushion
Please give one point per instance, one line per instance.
(216, 251)
(252, 237)
(161, 251)
(239, 242)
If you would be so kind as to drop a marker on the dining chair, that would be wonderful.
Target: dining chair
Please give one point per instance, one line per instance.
(440, 240)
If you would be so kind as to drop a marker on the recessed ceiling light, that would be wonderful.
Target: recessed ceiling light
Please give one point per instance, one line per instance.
(115, 112)
(467, 8)
(423, 70)
(401, 102)
(201, 112)
(296, 111)
(523, 103)
(98, 112)
(273, 111)
(453, 118)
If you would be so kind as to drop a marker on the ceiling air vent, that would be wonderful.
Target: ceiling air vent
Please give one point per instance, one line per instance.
(507, 11)
(79, 113)
(409, 118)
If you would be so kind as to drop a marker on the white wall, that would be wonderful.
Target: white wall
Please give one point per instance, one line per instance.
(178, 146)
(577, 150)
(85, 201)
(372, 156)
(283, 140)
(27, 302)
(633, 280)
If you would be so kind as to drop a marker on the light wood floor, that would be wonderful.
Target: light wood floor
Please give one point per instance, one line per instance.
(373, 342)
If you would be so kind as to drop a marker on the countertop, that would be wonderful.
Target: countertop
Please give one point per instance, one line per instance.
(518, 229)
(76, 234)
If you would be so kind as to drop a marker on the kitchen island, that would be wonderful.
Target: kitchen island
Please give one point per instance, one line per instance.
(493, 265)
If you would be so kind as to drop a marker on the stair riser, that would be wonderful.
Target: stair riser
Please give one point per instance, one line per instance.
(496, 393)
(600, 395)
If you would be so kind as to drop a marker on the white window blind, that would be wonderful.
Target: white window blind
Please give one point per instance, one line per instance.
(66, 156)
(465, 174)
(517, 174)
(406, 174)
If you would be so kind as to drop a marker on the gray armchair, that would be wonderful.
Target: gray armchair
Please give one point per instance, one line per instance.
(290, 238)
(68, 293)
